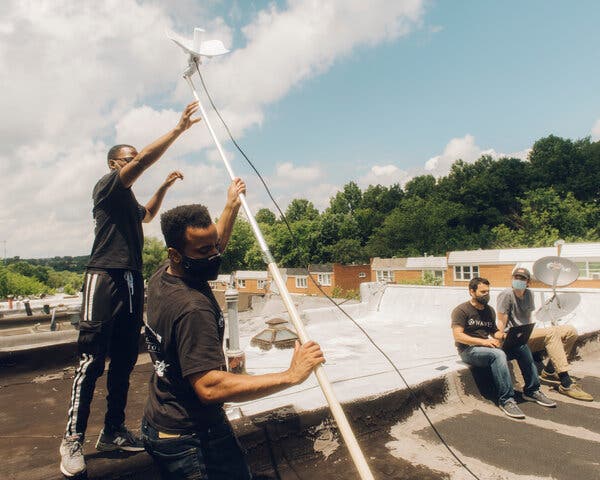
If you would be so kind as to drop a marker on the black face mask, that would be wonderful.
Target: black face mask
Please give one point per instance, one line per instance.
(483, 299)
(202, 268)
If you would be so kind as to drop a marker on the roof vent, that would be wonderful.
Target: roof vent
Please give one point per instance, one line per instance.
(277, 335)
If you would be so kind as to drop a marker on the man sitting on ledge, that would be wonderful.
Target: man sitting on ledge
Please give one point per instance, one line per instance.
(514, 308)
(478, 342)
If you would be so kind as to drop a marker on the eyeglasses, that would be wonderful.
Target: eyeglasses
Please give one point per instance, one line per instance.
(520, 277)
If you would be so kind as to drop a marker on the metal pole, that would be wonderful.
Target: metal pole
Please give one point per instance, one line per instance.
(334, 404)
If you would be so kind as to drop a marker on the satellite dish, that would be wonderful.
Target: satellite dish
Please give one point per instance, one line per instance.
(555, 271)
(558, 307)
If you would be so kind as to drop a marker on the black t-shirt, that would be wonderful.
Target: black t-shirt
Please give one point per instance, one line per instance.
(476, 323)
(184, 335)
(118, 217)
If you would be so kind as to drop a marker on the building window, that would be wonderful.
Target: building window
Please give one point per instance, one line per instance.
(241, 283)
(465, 272)
(324, 279)
(261, 284)
(589, 270)
(300, 282)
(385, 276)
(362, 275)
(212, 284)
(434, 273)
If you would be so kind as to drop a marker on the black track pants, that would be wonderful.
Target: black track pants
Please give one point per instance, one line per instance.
(111, 319)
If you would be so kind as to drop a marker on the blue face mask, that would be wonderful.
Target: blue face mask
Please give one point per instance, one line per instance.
(519, 284)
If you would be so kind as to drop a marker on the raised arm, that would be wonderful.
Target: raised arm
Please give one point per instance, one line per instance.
(153, 205)
(151, 153)
(232, 206)
(216, 386)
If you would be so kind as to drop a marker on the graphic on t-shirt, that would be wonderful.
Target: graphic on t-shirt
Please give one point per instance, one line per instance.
(160, 367)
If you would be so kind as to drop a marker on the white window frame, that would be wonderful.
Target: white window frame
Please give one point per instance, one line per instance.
(324, 279)
(588, 273)
(384, 275)
(464, 273)
(241, 283)
(301, 282)
(260, 284)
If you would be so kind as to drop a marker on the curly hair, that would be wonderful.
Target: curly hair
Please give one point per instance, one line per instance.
(174, 223)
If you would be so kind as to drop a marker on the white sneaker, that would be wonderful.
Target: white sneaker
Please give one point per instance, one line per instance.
(71, 452)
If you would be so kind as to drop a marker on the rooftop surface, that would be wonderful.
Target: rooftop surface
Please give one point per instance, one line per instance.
(410, 324)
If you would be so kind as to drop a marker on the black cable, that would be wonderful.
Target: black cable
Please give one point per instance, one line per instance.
(295, 242)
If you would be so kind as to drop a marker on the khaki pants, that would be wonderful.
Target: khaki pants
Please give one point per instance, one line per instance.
(558, 342)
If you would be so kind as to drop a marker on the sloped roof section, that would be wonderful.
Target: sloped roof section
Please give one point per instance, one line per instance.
(295, 272)
(388, 263)
(572, 251)
(426, 263)
(321, 268)
(251, 274)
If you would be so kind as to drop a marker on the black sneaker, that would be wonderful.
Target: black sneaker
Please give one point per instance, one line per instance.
(539, 398)
(512, 409)
(121, 439)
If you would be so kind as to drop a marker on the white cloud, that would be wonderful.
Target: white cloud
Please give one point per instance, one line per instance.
(82, 75)
(384, 175)
(286, 173)
(463, 148)
(596, 131)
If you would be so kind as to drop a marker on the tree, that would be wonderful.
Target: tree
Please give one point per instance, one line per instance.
(347, 251)
(422, 186)
(300, 209)
(418, 226)
(154, 254)
(266, 216)
(547, 217)
(346, 201)
(240, 242)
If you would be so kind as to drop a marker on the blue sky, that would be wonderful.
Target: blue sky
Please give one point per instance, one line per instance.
(318, 93)
(506, 72)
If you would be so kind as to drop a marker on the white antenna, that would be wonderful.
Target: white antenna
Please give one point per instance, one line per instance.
(196, 50)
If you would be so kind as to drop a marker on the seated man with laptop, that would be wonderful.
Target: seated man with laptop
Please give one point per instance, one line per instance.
(478, 341)
(514, 306)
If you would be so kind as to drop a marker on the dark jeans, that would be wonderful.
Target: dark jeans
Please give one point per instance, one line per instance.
(111, 320)
(212, 454)
(497, 360)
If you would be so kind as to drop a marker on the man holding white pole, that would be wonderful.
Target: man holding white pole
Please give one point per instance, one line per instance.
(185, 428)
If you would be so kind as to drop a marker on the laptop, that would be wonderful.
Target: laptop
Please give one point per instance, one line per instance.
(518, 335)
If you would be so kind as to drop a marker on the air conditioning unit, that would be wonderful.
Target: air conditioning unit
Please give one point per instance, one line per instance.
(596, 276)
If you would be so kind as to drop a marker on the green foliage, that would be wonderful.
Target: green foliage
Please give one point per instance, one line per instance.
(338, 292)
(546, 216)
(265, 216)
(488, 203)
(13, 283)
(301, 209)
(240, 243)
(154, 254)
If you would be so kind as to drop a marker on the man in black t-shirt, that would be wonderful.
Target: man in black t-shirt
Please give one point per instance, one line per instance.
(111, 313)
(477, 339)
(185, 428)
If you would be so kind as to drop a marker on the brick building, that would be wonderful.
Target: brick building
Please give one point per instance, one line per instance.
(330, 277)
(497, 265)
(409, 269)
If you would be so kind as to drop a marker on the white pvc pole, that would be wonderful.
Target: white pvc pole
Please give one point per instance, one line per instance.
(334, 405)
